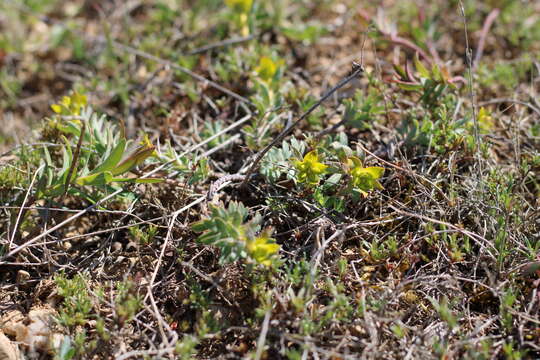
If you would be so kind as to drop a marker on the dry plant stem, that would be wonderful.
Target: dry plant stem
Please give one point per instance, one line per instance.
(160, 259)
(79, 214)
(144, 353)
(222, 182)
(356, 72)
(58, 226)
(195, 147)
(514, 101)
(23, 209)
(262, 336)
(232, 41)
(396, 39)
(471, 89)
(414, 174)
(75, 158)
(480, 239)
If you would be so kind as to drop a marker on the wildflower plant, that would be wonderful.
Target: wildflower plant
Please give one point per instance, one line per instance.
(270, 89)
(100, 156)
(333, 172)
(237, 238)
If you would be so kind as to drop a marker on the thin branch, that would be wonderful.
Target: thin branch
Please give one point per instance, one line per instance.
(23, 208)
(227, 42)
(75, 159)
(519, 102)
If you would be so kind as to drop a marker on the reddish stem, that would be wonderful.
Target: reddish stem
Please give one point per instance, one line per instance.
(485, 29)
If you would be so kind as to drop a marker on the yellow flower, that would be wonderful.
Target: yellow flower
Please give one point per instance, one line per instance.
(240, 6)
(70, 105)
(310, 169)
(266, 69)
(147, 144)
(364, 179)
(263, 248)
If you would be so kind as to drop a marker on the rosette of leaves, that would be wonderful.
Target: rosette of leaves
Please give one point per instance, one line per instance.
(235, 237)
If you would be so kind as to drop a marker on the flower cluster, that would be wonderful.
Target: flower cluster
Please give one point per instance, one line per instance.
(70, 105)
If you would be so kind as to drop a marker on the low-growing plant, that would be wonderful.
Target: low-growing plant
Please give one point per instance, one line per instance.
(361, 111)
(237, 239)
(186, 166)
(143, 236)
(186, 347)
(100, 156)
(127, 302)
(270, 88)
(77, 305)
(277, 161)
(331, 173)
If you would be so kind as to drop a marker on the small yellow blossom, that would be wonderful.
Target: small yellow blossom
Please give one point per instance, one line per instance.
(364, 179)
(70, 105)
(485, 121)
(266, 69)
(263, 248)
(240, 6)
(310, 169)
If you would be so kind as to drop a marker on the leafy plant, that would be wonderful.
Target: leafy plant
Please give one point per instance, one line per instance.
(76, 305)
(276, 163)
(186, 166)
(430, 83)
(270, 89)
(362, 110)
(237, 239)
(99, 159)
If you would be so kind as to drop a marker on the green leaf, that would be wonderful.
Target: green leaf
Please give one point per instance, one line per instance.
(66, 162)
(102, 178)
(401, 72)
(134, 159)
(112, 159)
(148, 181)
(409, 86)
(422, 70)
(375, 171)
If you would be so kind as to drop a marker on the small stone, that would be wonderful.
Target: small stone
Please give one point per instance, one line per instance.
(117, 246)
(22, 276)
